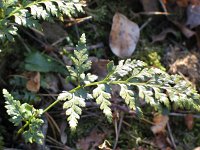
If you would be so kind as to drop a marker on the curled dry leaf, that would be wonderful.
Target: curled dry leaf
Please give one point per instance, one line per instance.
(33, 84)
(189, 121)
(124, 36)
(193, 16)
(160, 123)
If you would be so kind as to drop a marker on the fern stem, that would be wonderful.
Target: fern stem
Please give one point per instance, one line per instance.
(49, 107)
(55, 102)
(22, 128)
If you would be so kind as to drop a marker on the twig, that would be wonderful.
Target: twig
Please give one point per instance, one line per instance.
(154, 13)
(117, 130)
(171, 136)
(33, 37)
(55, 142)
(183, 115)
(58, 41)
(51, 120)
(25, 45)
(98, 45)
(77, 21)
(163, 6)
(145, 24)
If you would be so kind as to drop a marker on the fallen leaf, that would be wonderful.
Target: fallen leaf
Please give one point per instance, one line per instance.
(186, 63)
(162, 35)
(162, 141)
(150, 5)
(189, 121)
(193, 16)
(33, 84)
(182, 3)
(195, 2)
(53, 31)
(51, 82)
(99, 67)
(124, 36)
(160, 123)
(197, 148)
(92, 141)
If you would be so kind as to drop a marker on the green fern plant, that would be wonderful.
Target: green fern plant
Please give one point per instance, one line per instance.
(137, 82)
(27, 13)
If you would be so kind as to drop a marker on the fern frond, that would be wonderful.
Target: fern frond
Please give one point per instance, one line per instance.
(81, 63)
(25, 113)
(154, 86)
(13, 108)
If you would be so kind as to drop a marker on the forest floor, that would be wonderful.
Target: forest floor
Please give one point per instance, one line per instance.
(167, 36)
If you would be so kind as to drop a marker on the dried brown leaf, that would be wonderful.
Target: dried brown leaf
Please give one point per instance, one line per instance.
(160, 123)
(124, 36)
(189, 121)
(195, 2)
(92, 141)
(162, 141)
(99, 67)
(33, 84)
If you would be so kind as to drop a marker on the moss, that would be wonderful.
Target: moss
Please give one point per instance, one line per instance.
(150, 54)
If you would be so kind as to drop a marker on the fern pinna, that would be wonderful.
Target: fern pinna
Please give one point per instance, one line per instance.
(137, 83)
(27, 13)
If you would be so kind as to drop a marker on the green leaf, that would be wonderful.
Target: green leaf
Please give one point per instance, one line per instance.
(36, 61)
(102, 96)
